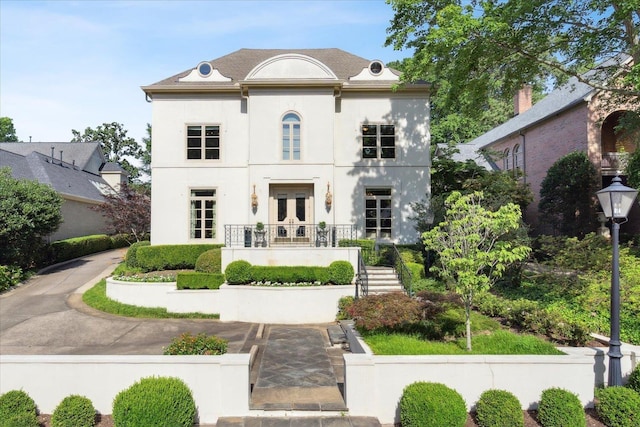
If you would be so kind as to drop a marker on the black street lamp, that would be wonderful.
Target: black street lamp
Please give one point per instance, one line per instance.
(616, 201)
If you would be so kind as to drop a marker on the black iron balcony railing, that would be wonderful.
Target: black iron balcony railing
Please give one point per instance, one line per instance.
(288, 234)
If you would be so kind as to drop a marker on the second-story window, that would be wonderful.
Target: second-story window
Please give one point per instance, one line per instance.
(378, 141)
(291, 137)
(506, 160)
(203, 142)
(517, 157)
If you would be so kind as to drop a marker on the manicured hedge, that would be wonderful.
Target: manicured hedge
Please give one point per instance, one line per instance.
(74, 411)
(499, 408)
(210, 261)
(426, 404)
(618, 406)
(242, 272)
(170, 257)
(560, 408)
(17, 409)
(197, 280)
(131, 258)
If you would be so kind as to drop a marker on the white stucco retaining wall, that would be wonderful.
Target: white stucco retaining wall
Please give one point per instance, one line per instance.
(290, 305)
(219, 384)
(235, 303)
(374, 384)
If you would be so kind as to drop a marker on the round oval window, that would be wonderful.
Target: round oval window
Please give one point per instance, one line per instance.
(204, 69)
(375, 67)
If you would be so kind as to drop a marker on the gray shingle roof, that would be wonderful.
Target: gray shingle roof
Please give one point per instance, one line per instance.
(82, 152)
(562, 98)
(238, 64)
(65, 179)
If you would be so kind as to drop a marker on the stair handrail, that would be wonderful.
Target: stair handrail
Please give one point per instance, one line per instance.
(403, 272)
(362, 278)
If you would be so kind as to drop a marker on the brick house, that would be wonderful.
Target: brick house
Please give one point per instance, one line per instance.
(573, 117)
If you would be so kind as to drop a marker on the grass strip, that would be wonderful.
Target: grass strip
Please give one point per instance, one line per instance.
(96, 297)
(498, 342)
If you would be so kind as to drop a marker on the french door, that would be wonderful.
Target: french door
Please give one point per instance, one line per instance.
(290, 213)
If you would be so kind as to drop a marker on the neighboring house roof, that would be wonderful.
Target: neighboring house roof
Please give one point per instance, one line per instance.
(87, 155)
(562, 98)
(112, 167)
(470, 152)
(68, 180)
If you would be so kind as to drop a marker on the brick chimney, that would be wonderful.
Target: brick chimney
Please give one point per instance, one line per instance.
(522, 100)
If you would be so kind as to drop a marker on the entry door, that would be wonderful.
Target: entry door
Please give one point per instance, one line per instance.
(291, 213)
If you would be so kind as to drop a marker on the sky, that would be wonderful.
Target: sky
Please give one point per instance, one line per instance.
(75, 64)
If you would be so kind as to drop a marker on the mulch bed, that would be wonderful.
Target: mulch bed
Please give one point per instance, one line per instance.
(530, 420)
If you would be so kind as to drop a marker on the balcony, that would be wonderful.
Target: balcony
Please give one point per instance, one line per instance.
(288, 235)
(614, 163)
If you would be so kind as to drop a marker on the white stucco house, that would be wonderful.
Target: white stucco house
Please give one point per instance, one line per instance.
(290, 139)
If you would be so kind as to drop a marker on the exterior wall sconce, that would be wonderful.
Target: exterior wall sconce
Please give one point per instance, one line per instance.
(254, 198)
(328, 198)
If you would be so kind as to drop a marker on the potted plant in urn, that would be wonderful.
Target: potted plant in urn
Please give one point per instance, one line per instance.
(260, 232)
(321, 232)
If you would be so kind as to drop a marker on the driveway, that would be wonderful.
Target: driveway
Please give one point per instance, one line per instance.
(46, 315)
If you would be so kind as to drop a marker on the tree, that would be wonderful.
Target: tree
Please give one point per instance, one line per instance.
(115, 143)
(29, 211)
(483, 48)
(7, 131)
(567, 195)
(128, 212)
(472, 256)
(145, 156)
(448, 175)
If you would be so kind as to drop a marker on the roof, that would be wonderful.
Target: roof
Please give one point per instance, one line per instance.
(562, 98)
(68, 180)
(83, 153)
(248, 66)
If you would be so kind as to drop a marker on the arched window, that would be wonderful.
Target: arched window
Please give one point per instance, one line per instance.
(291, 137)
(517, 157)
(506, 160)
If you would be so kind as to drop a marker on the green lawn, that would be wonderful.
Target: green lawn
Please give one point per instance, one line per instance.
(96, 297)
(496, 342)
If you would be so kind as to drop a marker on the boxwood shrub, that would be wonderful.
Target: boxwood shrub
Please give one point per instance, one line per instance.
(289, 274)
(155, 401)
(560, 408)
(210, 261)
(170, 257)
(341, 273)
(130, 258)
(417, 270)
(17, 409)
(618, 407)
(499, 408)
(238, 272)
(634, 379)
(425, 404)
(74, 411)
(201, 344)
(196, 280)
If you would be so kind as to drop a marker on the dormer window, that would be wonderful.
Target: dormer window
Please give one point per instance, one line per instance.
(375, 67)
(204, 69)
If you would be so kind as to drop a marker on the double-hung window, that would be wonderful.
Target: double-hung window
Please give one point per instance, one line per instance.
(203, 142)
(378, 141)
(378, 215)
(203, 214)
(291, 137)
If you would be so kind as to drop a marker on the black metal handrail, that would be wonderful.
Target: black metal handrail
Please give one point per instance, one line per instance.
(362, 279)
(288, 234)
(403, 272)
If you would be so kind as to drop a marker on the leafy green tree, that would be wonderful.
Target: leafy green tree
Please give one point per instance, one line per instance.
(145, 156)
(487, 48)
(633, 169)
(567, 195)
(7, 131)
(115, 143)
(472, 256)
(29, 211)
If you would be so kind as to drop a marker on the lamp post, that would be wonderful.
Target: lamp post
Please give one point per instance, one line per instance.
(616, 201)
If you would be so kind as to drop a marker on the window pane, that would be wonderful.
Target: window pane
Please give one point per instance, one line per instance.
(385, 204)
(387, 130)
(282, 209)
(212, 131)
(370, 204)
(300, 209)
(369, 153)
(369, 129)
(193, 154)
(387, 141)
(369, 141)
(194, 130)
(388, 153)
(378, 192)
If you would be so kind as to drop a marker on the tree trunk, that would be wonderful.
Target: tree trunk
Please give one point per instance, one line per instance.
(467, 312)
